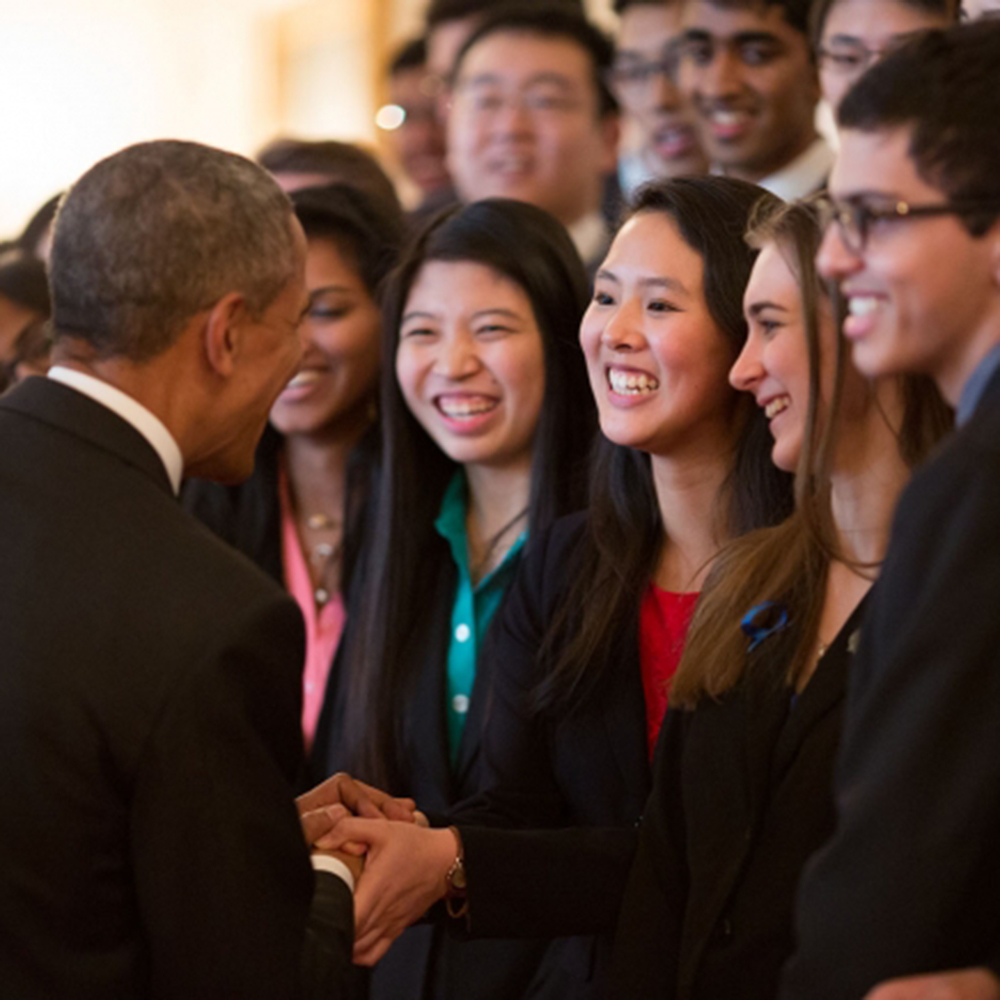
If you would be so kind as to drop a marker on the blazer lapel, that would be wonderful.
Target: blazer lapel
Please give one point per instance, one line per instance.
(825, 691)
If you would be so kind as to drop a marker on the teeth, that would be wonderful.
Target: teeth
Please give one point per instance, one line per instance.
(776, 406)
(304, 378)
(631, 383)
(728, 117)
(466, 407)
(863, 306)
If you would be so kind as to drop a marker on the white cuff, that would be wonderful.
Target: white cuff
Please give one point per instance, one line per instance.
(327, 863)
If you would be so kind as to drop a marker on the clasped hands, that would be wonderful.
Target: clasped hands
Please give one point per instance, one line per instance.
(400, 864)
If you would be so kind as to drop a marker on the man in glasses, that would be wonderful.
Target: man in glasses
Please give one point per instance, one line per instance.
(910, 883)
(644, 78)
(851, 35)
(747, 68)
(532, 117)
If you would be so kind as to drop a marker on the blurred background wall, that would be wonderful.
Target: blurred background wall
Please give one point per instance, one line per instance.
(82, 78)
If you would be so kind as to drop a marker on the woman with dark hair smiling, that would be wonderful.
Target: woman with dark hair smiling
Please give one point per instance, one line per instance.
(584, 648)
(487, 422)
(742, 791)
(299, 516)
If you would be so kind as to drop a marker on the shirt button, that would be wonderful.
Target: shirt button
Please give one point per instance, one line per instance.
(462, 633)
(460, 703)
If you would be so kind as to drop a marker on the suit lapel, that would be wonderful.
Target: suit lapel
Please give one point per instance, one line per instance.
(78, 415)
(824, 692)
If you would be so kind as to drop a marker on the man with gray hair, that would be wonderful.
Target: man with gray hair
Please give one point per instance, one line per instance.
(149, 686)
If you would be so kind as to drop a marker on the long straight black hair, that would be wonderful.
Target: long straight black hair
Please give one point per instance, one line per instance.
(403, 552)
(625, 535)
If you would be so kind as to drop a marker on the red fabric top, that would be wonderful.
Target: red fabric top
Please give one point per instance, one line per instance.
(663, 623)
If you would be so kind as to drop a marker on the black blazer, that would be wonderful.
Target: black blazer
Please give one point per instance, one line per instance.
(149, 701)
(575, 783)
(426, 962)
(742, 796)
(911, 881)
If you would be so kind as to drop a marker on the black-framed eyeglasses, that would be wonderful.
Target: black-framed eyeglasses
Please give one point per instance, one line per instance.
(855, 217)
(632, 75)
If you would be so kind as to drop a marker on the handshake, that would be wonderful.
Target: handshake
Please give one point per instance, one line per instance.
(400, 865)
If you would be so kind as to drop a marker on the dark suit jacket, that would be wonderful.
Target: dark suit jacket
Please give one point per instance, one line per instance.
(575, 784)
(911, 881)
(149, 700)
(426, 962)
(742, 796)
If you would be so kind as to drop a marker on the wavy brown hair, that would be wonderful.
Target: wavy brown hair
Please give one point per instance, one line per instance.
(788, 563)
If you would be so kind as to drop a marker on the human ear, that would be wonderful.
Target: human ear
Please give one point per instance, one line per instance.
(222, 333)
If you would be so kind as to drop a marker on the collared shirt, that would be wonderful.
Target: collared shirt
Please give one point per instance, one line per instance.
(805, 175)
(590, 236)
(976, 385)
(473, 608)
(132, 412)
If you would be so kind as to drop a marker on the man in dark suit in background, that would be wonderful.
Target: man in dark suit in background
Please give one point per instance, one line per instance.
(150, 677)
(910, 883)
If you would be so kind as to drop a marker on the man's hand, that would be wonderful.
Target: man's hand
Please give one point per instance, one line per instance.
(405, 870)
(968, 984)
(360, 799)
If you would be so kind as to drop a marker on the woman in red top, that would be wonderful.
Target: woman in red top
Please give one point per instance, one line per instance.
(594, 623)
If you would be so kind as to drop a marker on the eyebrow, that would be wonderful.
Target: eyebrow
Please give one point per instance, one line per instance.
(670, 284)
(418, 314)
(740, 38)
(496, 311)
(758, 307)
(544, 77)
(323, 289)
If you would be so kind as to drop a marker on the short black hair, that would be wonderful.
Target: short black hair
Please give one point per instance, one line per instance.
(442, 11)
(796, 11)
(23, 280)
(338, 161)
(943, 86)
(948, 9)
(549, 19)
(39, 225)
(410, 55)
(620, 6)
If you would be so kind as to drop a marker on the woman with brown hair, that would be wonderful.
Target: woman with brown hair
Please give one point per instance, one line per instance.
(742, 784)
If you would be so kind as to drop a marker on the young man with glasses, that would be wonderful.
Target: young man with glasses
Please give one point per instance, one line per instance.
(532, 118)
(747, 68)
(851, 35)
(644, 79)
(910, 883)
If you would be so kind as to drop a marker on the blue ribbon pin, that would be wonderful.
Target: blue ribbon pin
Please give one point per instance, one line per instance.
(775, 618)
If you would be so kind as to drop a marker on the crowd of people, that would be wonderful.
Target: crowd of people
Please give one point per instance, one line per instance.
(576, 584)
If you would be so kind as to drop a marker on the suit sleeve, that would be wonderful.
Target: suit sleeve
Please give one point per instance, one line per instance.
(223, 881)
(909, 882)
(533, 871)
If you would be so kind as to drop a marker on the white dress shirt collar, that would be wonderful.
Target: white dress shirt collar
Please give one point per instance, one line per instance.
(132, 412)
(590, 236)
(805, 175)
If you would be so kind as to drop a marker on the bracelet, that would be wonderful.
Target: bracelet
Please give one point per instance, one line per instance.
(456, 887)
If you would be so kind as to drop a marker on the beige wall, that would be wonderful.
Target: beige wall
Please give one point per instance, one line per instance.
(82, 78)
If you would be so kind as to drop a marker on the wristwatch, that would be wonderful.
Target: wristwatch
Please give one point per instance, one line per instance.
(456, 895)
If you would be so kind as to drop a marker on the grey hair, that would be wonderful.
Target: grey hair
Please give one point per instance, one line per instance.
(156, 233)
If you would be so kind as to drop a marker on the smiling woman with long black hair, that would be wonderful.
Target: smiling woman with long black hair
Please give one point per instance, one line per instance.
(487, 422)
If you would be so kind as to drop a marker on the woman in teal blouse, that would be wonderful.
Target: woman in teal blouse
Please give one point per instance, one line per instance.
(487, 421)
